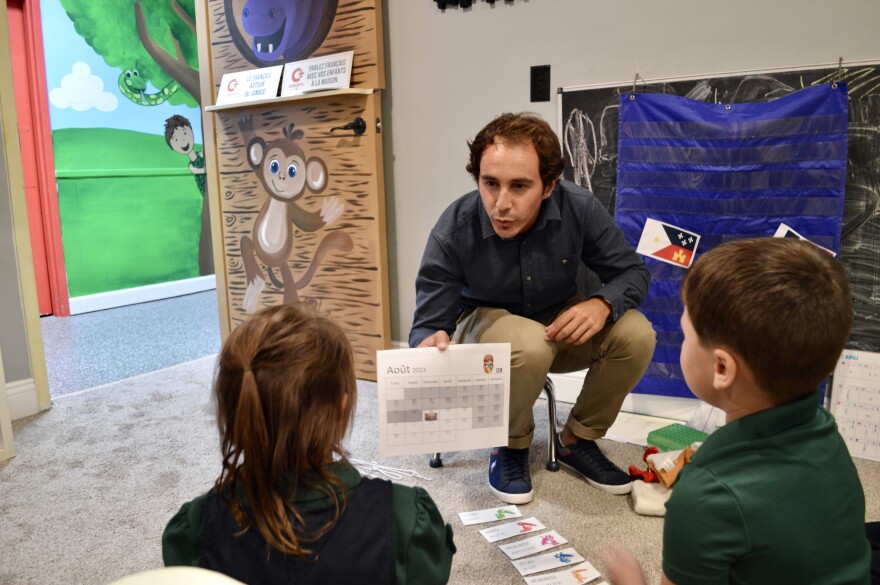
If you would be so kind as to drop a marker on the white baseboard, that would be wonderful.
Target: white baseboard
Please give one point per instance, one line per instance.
(21, 396)
(141, 294)
(568, 386)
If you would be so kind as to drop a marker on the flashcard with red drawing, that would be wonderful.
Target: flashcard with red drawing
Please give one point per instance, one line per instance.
(583, 573)
(553, 560)
(511, 529)
(489, 515)
(535, 544)
(668, 243)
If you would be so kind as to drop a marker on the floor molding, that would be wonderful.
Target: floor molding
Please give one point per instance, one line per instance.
(568, 386)
(21, 396)
(141, 294)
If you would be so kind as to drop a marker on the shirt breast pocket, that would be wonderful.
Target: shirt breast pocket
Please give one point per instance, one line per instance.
(560, 271)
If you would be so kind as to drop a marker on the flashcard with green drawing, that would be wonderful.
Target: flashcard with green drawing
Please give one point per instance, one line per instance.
(489, 515)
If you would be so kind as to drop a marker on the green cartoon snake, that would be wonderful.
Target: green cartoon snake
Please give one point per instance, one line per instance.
(133, 86)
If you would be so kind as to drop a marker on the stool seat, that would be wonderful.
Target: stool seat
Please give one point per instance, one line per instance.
(177, 576)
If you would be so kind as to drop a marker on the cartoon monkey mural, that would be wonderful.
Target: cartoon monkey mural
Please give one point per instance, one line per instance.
(285, 173)
(280, 31)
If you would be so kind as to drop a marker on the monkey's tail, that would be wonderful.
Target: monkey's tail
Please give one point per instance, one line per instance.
(271, 274)
(337, 240)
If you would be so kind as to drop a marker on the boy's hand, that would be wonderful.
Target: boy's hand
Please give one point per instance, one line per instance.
(440, 340)
(577, 324)
(621, 567)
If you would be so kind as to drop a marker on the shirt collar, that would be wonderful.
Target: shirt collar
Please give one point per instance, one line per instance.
(765, 423)
(344, 470)
(549, 211)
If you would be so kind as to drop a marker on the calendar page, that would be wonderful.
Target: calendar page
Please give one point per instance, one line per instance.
(439, 401)
(855, 402)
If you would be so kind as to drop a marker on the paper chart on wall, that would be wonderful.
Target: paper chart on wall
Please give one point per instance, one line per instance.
(855, 402)
(432, 401)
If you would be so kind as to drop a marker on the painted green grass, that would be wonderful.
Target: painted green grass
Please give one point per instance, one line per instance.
(130, 210)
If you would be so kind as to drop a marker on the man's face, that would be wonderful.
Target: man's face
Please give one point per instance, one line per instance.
(181, 139)
(510, 187)
(697, 362)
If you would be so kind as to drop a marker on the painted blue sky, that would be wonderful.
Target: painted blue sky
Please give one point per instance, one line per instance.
(89, 104)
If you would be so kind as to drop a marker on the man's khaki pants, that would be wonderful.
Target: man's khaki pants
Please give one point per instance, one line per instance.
(617, 357)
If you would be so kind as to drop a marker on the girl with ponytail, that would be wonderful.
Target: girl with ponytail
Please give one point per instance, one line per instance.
(288, 507)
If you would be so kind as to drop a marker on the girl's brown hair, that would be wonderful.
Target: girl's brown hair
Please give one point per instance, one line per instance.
(285, 391)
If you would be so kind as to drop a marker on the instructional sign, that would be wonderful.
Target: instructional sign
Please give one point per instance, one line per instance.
(318, 74)
(249, 86)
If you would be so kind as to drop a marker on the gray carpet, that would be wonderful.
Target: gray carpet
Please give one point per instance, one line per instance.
(98, 476)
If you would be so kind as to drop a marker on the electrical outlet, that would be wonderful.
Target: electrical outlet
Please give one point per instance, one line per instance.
(540, 86)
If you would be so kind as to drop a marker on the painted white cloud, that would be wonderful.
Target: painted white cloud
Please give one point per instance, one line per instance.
(82, 91)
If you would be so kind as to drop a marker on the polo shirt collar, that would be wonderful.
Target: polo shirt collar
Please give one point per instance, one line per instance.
(764, 424)
(344, 470)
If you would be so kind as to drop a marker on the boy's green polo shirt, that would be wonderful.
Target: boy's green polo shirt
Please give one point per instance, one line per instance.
(771, 498)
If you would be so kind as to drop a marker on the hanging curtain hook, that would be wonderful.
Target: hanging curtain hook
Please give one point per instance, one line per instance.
(839, 73)
(632, 96)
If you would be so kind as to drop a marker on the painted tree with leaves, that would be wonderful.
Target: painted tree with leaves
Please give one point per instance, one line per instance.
(157, 39)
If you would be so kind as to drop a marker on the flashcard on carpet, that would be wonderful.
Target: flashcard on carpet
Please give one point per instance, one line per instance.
(535, 544)
(511, 529)
(564, 558)
(489, 515)
(583, 573)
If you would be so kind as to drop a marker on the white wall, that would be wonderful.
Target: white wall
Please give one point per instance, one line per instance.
(449, 73)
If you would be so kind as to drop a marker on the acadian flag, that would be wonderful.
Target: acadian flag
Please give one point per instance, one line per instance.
(668, 243)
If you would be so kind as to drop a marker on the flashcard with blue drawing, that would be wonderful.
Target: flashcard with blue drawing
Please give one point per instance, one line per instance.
(511, 529)
(668, 243)
(489, 515)
(579, 575)
(564, 558)
(535, 544)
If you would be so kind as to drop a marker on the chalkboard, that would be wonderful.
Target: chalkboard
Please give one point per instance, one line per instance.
(588, 128)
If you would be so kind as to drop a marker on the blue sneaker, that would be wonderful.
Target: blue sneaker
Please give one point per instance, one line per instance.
(509, 475)
(585, 458)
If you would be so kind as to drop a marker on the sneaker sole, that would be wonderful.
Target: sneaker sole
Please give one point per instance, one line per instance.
(617, 490)
(513, 498)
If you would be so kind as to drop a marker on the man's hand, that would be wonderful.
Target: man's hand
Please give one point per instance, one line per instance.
(440, 340)
(579, 323)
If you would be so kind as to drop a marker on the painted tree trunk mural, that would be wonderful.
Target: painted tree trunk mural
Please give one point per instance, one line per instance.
(303, 201)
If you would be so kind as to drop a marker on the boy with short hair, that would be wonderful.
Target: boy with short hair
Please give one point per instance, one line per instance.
(773, 496)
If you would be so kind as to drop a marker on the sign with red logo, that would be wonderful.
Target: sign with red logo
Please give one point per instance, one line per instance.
(249, 86)
(318, 74)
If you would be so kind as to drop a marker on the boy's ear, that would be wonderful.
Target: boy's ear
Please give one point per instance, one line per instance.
(725, 369)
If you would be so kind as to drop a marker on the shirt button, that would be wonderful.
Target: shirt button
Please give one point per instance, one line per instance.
(529, 306)
(528, 278)
(564, 261)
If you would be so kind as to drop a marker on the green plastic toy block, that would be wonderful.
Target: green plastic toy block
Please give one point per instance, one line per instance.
(675, 436)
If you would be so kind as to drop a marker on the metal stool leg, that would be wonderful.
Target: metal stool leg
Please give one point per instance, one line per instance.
(436, 461)
(552, 462)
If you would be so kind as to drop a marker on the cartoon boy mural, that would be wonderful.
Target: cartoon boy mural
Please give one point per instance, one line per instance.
(179, 136)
